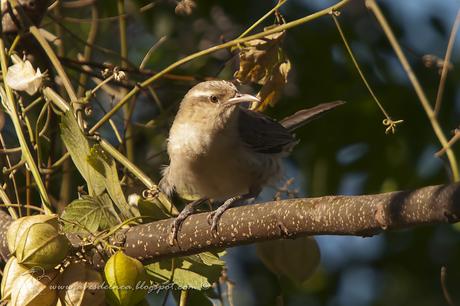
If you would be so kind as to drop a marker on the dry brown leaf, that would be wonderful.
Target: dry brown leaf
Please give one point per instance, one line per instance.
(271, 90)
(262, 61)
(185, 7)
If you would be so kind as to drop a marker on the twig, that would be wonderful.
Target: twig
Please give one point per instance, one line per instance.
(14, 167)
(447, 296)
(82, 41)
(391, 124)
(183, 297)
(150, 52)
(252, 27)
(32, 104)
(11, 176)
(55, 61)
(451, 142)
(7, 203)
(74, 64)
(11, 150)
(445, 66)
(31, 207)
(128, 141)
(165, 298)
(88, 48)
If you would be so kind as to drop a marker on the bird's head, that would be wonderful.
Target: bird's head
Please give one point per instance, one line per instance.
(214, 97)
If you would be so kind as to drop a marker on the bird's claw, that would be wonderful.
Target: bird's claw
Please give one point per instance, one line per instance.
(174, 231)
(184, 214)
(213, 219)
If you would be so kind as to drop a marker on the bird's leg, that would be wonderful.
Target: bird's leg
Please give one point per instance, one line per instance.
(214, 216)
(188, 210)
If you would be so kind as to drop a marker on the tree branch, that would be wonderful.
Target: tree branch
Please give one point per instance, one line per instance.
(364, 215)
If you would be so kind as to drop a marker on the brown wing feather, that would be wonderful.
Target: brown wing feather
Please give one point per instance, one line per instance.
(262, 134)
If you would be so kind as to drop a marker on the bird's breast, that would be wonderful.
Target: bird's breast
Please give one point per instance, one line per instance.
(188, 140)
(212, 164)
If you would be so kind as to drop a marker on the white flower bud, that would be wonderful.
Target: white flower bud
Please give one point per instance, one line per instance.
(22, 77)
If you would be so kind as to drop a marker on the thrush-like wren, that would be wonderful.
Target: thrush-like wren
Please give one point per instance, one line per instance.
(222, 151)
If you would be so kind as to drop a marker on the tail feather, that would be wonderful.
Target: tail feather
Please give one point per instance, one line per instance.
(304, 116)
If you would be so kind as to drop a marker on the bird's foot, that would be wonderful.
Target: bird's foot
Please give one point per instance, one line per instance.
(214, 216)
(174, 231)
(213, 219)
(188, 210)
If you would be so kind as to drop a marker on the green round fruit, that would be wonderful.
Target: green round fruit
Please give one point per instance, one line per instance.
(19, 226)
(126, 279)
(43, 246)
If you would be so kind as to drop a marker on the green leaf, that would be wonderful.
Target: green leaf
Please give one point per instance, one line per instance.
(78, 147)
(97, 168)
(187, 272)
(105, 166)
(153, 209)
(90, 213)
(208, 258)
(296, 259)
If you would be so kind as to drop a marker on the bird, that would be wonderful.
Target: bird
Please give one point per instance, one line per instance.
(221, 150)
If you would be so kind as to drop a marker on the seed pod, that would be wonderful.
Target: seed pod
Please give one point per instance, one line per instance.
(19, 226)
(12, 271)
(81, 286)
(32, 289)
(43, 246)
(126, 279)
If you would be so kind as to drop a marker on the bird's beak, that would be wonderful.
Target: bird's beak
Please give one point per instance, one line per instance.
(241, 98)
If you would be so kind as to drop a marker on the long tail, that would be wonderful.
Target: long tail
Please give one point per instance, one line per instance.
(304, 116)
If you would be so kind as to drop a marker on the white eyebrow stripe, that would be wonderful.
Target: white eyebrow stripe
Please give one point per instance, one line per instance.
(201, 93)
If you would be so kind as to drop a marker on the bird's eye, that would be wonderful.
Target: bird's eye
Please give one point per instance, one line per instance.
(213, 99)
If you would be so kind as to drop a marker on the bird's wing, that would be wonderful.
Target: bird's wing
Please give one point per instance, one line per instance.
(304, 116)
(262, 134)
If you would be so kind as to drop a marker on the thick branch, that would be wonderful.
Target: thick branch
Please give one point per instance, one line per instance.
(338, 215)
(365, 215)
